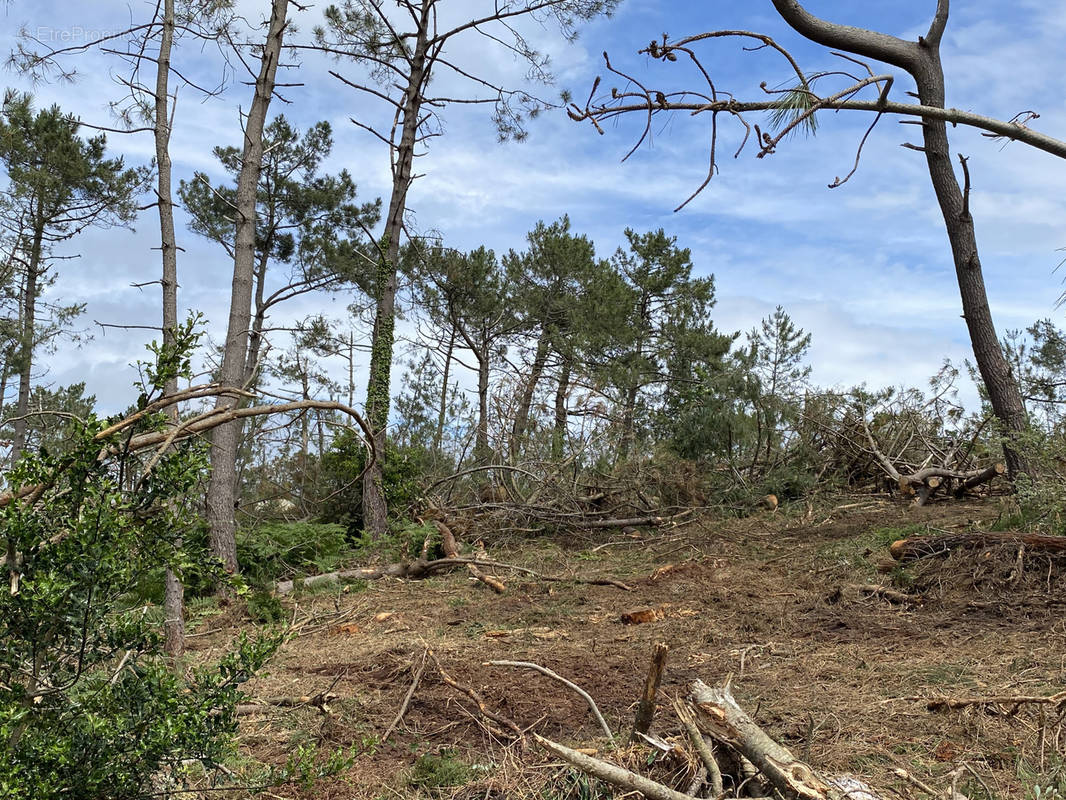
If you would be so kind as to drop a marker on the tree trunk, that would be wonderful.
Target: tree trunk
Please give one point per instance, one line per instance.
(1002, 386)
(521, 417)
(482, 451)
(628, 437)
(561, 418)
(29, 322)
(921, 60)
(375, 510)
(438, 436)
(221, 490)
(173, 591)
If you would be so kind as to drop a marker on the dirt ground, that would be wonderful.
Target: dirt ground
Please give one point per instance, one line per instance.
(842, 680)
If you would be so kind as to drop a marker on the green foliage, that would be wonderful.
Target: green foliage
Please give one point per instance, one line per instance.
(402, 542)
(276, 550)
(439, 771)
(89, 707)
(265, 608)
(342, 492)
(304, 219)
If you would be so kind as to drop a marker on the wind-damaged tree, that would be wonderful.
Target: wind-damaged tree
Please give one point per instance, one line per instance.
(797, 106)
(307, 221)
(59, 184)
(403, 51)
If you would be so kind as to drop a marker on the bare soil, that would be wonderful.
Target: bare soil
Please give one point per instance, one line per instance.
(842, 680)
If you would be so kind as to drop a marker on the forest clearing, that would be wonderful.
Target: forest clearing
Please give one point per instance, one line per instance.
(845, 679)
(407, 445)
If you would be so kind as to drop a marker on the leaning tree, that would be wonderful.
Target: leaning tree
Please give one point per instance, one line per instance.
(796, 106)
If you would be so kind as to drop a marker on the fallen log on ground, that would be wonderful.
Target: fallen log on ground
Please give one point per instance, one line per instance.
(451, 550)
(420, 568)
(916, 547)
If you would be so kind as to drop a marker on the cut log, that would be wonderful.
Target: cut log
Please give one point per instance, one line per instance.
(917, 547)
(723, 717)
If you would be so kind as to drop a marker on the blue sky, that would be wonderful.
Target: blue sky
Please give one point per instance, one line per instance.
(864, 267)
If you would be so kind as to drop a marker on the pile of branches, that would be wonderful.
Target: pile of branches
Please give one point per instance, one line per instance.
(730, 757)
(906, 444)
(548, 496)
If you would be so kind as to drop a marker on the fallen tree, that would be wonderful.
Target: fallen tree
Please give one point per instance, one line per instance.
(418, 568)
(916, 547)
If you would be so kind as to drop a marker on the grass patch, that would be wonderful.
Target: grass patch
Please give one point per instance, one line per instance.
(854, 551)
(439, 771)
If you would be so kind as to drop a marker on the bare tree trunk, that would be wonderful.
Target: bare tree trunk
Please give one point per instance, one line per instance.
(521, 417)
(561, 417)
(482, 451)
(629, 410)
(375, 510)
(438, 437)
(221, 490)
(173, 591)
(27, 336)
(921, 60)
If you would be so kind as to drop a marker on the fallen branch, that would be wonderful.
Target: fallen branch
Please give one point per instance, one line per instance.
(569, 684)
(917, 547)
(189, 429)
(943, 703)
(702, 747)
(611, 773)
(861, 590)
(479, 701)
(728, 722)
(407, 697)
(451, 550)
(420, 568)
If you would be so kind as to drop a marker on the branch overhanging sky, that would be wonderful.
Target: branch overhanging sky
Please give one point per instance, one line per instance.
(865, 268)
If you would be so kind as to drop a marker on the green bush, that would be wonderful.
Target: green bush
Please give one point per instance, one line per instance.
(439, 771)
(90, 709)
(342, 492)
(276, 550)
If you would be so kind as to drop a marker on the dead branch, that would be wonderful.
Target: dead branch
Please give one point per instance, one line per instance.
(702, 747)
(451, 550)
(568, 684)
(420, 568)
(407, 697)
(728, 722)
(610, 773)
(862, 590)
(943, 703)
(479, 701)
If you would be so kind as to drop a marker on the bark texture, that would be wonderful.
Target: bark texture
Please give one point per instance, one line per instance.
(375, 509)
(222, 489)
